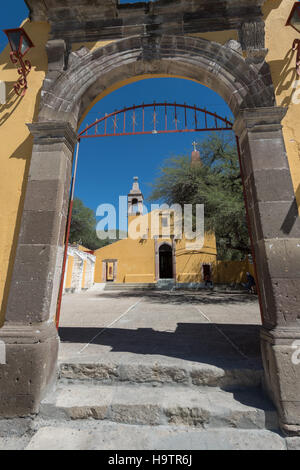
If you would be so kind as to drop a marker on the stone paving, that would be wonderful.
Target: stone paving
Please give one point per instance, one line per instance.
(171, 327)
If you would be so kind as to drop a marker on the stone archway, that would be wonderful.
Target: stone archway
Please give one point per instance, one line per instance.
(67, 94)
(69, 89)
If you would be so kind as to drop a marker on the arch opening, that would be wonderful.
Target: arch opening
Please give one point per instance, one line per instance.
(248, 91)
(166, 262)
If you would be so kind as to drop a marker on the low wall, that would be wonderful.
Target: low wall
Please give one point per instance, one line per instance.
(233, 272)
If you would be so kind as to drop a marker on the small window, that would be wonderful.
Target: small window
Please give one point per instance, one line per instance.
(165, 221)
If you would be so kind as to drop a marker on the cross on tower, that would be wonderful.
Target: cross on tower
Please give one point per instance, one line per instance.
(195, 146)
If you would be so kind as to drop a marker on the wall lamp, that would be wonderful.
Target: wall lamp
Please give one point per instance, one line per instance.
(294, 22)
(20, 44)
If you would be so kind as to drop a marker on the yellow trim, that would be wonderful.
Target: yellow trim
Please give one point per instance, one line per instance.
(83, 275)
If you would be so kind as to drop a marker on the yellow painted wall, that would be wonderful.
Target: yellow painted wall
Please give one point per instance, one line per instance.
(136, 264)
(228, 272)
(189, 266)
(69, 272)
(136, 261)
(136, 258)
(189, 262)
(83, 275)
(282, 61)
(16, 147)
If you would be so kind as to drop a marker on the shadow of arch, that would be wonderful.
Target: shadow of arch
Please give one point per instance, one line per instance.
(292, 215)
(23, 152)
(286, 77)
(12, 103)
(268, 7)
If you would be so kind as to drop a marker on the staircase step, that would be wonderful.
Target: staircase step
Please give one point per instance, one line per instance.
(160, 373)
(127, 404)
(165, 284)
(111, 436)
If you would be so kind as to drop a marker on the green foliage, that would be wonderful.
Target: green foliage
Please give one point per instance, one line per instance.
(217, 184)
(83, 227)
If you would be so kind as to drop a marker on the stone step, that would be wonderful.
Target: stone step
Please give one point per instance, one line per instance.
(165, 284)
(200, 407)
(128, 286)
(111, 436)
(163, 374)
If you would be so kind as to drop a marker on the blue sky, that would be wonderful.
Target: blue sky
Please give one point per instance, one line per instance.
(107, 165)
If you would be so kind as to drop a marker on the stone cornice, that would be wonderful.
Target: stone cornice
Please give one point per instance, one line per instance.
(20, 333)
(259, 119)
(50, 132)
(106, 19)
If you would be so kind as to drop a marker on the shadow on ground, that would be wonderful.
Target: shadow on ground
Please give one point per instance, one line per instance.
(221, 345)
(171, 297)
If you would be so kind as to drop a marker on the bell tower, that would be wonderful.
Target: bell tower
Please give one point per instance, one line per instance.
(135, 199)
(196, 158)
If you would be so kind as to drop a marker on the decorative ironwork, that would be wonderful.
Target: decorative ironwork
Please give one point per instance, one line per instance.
(294, 17)
(20, 44)
(296, 47)
(156, 118)
(21, 85)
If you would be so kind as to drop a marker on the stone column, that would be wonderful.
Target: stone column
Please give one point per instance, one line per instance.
(29, 331)
(275, 227)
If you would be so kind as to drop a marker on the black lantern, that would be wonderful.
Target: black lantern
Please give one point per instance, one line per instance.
(294, 18)
(20, 43)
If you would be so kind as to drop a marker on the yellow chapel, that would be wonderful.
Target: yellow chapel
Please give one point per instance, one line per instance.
(153, 253)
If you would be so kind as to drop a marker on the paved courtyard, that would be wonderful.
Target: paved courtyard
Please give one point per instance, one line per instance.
(169, 327)
(155, 370)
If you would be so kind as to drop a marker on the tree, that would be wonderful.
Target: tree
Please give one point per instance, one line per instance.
(83, 227)
(217, 184)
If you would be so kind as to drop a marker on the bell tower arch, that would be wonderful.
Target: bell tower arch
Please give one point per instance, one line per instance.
(135, 199)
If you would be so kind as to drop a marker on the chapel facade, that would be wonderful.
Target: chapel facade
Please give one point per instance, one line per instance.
(157, 250)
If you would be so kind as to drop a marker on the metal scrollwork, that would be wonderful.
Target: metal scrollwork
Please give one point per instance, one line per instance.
(21, 86)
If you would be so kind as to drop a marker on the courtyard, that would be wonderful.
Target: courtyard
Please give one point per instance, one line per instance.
(149, 369)
(171, 327)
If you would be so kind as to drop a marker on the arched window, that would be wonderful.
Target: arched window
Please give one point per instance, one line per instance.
(134, 206)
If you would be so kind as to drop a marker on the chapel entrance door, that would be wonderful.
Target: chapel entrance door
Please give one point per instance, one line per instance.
(109, 272)
(165, 262)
